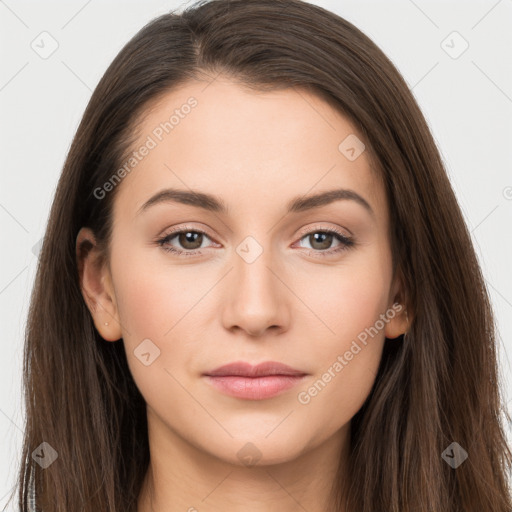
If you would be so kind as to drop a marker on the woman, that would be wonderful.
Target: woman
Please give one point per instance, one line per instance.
(257, 290)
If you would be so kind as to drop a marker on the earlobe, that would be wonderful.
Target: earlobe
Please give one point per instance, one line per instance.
(96, 286)
(400, 322)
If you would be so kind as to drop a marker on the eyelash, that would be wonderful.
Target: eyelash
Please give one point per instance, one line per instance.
(346, 242)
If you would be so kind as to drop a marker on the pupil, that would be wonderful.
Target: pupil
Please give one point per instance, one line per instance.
(189, 238)
(321, 237)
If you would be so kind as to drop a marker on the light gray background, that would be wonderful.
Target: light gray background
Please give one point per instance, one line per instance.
(467, 101)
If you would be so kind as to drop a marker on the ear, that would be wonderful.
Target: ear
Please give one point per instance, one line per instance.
(401, 322)
(96, 286)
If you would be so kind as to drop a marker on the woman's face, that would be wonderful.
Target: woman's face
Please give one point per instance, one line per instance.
(255, 281)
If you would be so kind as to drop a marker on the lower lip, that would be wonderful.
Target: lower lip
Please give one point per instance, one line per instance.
(254, 388)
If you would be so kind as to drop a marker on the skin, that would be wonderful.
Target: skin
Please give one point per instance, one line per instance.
(256, 151)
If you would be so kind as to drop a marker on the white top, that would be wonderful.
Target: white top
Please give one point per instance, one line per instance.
(31, 494)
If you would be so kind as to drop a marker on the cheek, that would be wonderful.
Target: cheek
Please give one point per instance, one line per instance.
(349, 301)
(153, 300)
(343, 300)
(145, 310)
(165, 304)
(335, 395)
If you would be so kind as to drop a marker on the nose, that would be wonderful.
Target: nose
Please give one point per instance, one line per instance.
(257, 298)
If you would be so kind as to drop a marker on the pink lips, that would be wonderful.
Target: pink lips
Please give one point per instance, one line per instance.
(242, 380)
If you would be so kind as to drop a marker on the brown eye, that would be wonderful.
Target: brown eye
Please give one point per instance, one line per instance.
(320, 240)
(190, 240)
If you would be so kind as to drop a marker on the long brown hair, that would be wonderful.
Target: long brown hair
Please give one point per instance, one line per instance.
(437, 386)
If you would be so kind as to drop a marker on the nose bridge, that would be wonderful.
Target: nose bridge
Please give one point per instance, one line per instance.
(255, 298)
(252, 273)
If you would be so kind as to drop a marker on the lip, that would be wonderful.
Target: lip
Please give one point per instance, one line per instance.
(265, 380)
(243, 369)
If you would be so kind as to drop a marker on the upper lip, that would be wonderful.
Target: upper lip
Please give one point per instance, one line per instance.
(241, 368)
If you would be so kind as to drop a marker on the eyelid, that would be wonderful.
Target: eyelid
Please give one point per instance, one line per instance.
(317, 227)
(186, 227)
(301, 234)
(346, 241)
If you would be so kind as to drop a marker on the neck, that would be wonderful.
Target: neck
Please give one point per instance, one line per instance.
(183, 478)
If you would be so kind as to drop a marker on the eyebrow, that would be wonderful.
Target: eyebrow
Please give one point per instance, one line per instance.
(215, 204)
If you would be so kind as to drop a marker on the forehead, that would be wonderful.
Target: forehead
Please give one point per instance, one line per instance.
(247, 147)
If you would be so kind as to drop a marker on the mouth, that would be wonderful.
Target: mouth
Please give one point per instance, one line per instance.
(245, 381)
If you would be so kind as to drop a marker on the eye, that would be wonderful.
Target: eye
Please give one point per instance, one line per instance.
(190, 239)
(320, 241)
